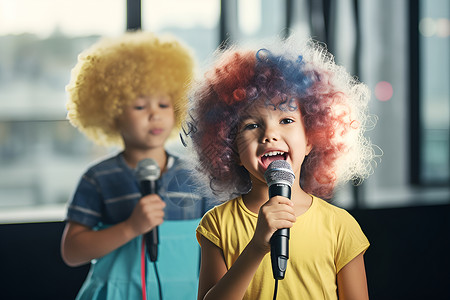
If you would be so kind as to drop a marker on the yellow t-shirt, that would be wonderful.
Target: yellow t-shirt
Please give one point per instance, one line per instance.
(322, 241)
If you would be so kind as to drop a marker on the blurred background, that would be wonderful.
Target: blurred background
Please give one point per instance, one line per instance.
(399, 48)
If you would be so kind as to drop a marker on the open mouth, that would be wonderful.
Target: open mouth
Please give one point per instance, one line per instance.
(271, 156)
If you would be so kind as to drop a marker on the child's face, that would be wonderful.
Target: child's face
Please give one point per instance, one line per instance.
(147, 122)
(268, 133)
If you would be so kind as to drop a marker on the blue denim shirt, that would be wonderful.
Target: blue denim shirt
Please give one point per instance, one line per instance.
(109, 190)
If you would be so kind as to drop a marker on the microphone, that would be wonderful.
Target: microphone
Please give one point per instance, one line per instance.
(147, 172)
(279, 177)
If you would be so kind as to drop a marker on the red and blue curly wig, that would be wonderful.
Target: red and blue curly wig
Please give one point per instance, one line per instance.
(332, 103)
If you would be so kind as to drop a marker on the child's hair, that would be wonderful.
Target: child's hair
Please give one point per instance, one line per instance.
(116, 71)
(332, 103)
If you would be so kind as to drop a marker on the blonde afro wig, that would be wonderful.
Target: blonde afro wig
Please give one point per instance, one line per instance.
(116, 71)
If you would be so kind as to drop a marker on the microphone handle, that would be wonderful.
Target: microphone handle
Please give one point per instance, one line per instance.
(279, 242)
(151, 242)
(152, 237)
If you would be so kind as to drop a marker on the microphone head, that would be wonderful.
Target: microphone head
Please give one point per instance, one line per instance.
(147, 169)
(279, 171)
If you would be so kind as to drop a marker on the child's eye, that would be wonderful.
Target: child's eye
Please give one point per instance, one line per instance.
(138, 107)
(287, 121)
(163, 105)
(251, 126)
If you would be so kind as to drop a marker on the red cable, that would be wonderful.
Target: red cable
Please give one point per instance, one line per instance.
(144, 289)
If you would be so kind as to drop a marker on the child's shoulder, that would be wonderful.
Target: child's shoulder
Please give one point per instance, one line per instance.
(178, 166)
(105, 163)
(225, 208)
(329, 210)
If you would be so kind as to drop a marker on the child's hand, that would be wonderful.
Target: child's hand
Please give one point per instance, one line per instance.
(275, 214)
(147, 214)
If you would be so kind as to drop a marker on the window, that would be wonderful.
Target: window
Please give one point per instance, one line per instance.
(434, 43)
(41, 155)
(196, 22)
(248, 20)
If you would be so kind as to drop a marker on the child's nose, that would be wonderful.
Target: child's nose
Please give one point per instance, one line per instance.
(268, 140)
(153, 114)
(269, 136)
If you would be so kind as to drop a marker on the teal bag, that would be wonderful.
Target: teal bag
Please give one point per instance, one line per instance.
(117, 276)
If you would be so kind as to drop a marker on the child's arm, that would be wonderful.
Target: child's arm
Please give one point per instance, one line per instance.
(80, 244)
(215, 281)
(351, 279)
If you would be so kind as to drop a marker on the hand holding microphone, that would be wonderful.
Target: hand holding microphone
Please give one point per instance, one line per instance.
(279, 177)
(147, 173)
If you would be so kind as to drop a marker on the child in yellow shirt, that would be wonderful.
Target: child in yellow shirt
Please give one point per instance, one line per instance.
(291, 103)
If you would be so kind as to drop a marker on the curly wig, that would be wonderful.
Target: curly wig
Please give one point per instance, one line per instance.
(333, 106)
(116, 71)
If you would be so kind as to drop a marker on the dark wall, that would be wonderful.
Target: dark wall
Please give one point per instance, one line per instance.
(31, 263)
(408, 257)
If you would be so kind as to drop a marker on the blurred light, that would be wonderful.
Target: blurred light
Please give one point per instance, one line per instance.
(427, 27)
(168, 14)
(249, 16)
(46, 17)
(383, 91)
(443, 28)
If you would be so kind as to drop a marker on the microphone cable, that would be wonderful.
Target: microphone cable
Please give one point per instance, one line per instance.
(275, 291)
(144, 274)
(158, 280)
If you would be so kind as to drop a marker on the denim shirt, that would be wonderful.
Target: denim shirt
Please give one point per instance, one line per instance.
(108, 191)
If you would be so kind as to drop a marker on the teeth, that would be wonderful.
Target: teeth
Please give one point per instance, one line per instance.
(273, 153)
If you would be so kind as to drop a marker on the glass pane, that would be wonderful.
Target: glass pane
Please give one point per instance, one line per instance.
(259, 19)
(196, 22)
(41, 155)
(435, 90)
(41, 162)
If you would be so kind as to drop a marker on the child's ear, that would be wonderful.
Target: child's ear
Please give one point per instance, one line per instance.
(309, 147)
(117, 122)
(238, 161)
